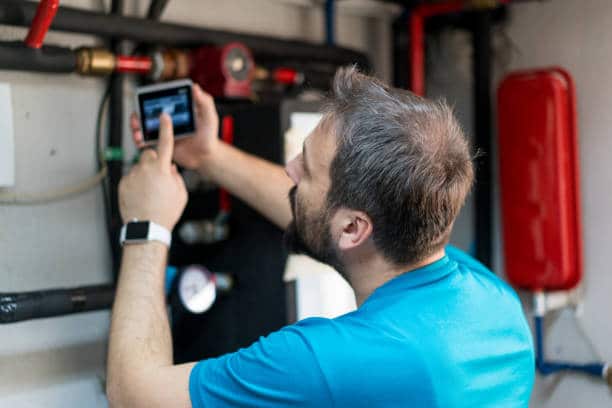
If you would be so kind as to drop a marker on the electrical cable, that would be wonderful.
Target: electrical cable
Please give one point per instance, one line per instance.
(102, 109)
(50, 196)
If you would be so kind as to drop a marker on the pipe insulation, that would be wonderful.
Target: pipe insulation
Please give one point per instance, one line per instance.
(21, 13)
(15, 56)
(156, 9)
(115, 141)
(15, 307)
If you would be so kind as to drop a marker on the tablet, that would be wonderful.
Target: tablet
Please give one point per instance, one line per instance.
(175, 99)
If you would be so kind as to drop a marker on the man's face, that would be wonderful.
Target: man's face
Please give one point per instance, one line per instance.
(310, 231)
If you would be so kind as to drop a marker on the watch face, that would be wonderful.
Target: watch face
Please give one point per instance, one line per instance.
(137, 230)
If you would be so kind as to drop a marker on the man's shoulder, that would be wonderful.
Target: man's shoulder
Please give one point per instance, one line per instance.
(487, 277)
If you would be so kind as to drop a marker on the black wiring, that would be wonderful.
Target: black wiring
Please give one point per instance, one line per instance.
(100, 153)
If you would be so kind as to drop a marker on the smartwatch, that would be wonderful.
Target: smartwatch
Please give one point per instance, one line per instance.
(138, 232)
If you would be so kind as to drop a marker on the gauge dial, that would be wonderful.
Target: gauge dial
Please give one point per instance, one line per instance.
(196, 288)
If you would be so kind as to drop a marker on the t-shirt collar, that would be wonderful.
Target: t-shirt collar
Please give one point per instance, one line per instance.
(417, 277)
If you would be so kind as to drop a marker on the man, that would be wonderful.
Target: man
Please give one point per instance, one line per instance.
(374, 193)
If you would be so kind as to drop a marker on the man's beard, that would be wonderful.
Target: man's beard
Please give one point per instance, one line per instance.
(312, 237)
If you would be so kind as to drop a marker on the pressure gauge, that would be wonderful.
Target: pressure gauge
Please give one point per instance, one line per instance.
(197, 289)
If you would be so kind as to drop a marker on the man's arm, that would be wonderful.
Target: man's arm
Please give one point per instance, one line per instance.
(140, 371)
(261, 184)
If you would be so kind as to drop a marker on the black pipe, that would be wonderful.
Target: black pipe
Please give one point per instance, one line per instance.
(399, 41)
(330, 22)
(16, 56)
(483, 192)
(16, 12)
(16, 307)
(115, 141)
(156, 9)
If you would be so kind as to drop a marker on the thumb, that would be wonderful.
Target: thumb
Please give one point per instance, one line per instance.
(165, 147)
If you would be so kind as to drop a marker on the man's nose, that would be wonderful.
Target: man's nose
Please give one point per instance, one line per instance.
(294, 169)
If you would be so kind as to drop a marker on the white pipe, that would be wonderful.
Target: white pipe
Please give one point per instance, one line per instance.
(544, 302)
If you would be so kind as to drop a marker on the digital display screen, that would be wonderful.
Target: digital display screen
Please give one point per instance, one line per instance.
(176, 102)
(137, 230)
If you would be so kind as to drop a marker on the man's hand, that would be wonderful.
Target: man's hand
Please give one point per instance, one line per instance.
(140, 371)
(192, 152)
(154, 190)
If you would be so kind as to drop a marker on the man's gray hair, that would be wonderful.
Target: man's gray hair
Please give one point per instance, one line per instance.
(401, 159)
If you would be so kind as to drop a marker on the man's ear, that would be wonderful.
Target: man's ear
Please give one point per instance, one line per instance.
(352, 227)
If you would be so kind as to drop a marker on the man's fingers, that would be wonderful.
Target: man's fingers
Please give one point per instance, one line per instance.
(204, 105)
(137, 135)
(134, 122)
(165, 146)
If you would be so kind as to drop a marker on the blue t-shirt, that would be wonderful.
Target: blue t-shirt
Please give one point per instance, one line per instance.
(450, 334)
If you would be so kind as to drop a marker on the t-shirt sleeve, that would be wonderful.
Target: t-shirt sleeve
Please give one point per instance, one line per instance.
(279, 370)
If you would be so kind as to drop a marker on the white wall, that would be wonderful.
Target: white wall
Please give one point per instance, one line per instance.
(575, 35)
(60, 362)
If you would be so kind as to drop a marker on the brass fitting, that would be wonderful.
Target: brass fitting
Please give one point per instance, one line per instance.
(95, 61)
(175, 64)
(608, 374)
(261, 73)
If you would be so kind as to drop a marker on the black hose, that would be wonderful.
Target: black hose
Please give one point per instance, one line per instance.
(156, 9)
(16, 307)
(16, 12)
(16, 56)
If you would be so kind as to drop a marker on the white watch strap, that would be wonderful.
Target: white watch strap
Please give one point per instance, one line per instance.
(159, 233)
(156, 233)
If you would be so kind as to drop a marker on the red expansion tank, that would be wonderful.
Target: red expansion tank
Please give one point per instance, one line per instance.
(539, 173)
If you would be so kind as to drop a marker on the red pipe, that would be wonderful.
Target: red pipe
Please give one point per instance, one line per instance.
(416, 30)
(288, 76)
(227, 134)
(134, 65)
(45, 13)
(417, 39)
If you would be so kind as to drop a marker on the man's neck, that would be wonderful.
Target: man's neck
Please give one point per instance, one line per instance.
(367, 275)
